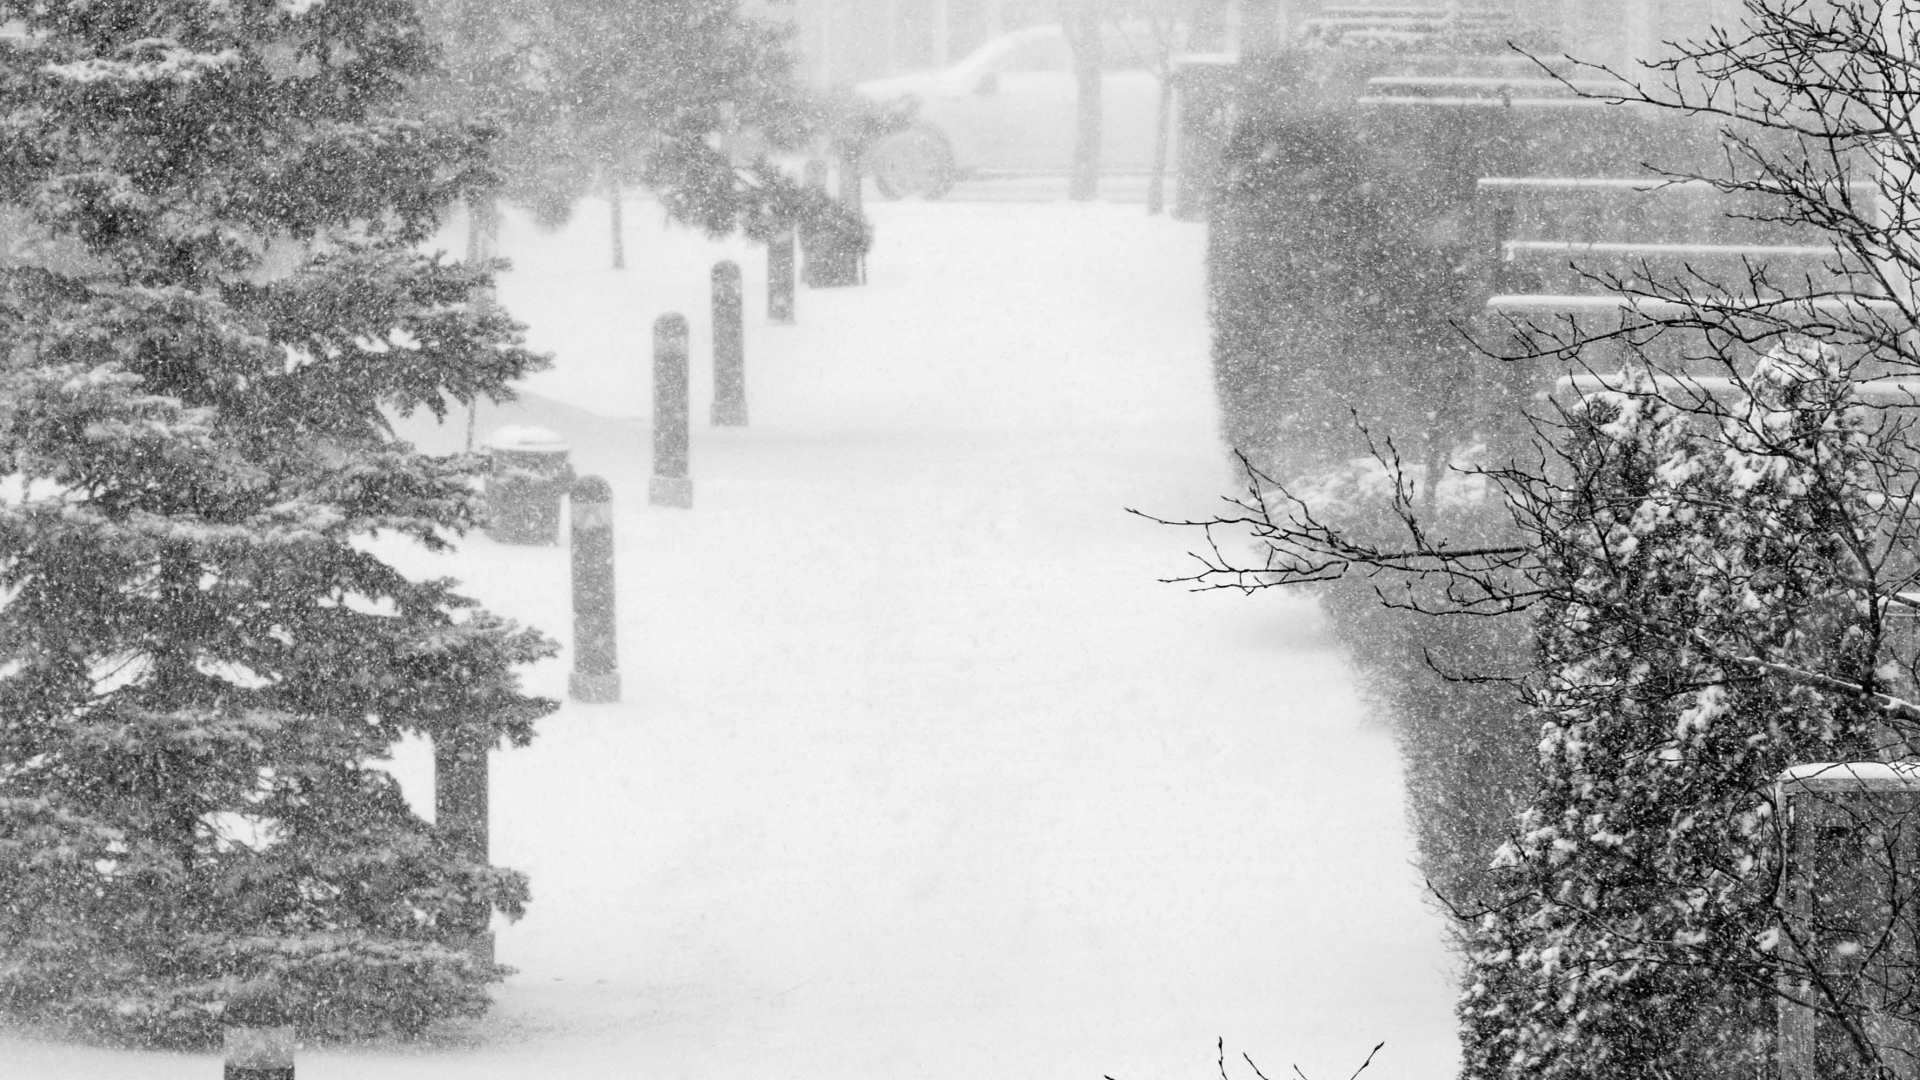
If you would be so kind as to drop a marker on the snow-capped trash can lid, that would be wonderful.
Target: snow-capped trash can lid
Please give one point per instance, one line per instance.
(1852, 776)
(526, 437)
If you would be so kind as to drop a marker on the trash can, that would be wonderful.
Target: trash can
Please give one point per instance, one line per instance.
(529, 477)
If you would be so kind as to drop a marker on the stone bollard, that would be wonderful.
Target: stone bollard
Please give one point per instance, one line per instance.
(780, 277)
(830, 259)
(596, 670)
(729, 349)
(258, 1036)
(460, 810)
(670, 485)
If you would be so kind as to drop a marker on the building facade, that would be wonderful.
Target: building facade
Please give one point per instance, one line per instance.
(844, 41)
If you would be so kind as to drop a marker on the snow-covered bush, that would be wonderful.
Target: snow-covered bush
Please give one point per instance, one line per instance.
(1699, 572)
(1707, 583)
(1710, 573)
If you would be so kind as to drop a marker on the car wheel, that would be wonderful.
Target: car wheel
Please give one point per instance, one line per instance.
(915, 163)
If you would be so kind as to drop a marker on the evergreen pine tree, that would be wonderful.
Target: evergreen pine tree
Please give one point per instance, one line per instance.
(682, 98)
(201, 655)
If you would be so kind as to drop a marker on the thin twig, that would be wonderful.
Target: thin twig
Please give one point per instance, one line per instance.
(1369, 1061)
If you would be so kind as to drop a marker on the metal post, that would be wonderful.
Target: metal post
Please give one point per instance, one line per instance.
(670, 485)
(460, 811)
(596, 670)
(780, 277)
(729, 349)
(1504, 221)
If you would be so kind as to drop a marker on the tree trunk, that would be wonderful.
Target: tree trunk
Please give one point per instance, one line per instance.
(483, 228)
(1082, 21)
(483, 244)
(1208, 30)
(1162, 124)
(619, 240)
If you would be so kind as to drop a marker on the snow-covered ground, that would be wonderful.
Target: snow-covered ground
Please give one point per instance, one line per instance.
(918, 772)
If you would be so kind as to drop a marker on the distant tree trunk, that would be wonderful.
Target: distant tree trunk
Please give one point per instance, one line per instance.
(1162, 121)
(1163, 44)
(483, 243)
(1081, 19)
(483, 227)
(1208, 30)
(619, 238)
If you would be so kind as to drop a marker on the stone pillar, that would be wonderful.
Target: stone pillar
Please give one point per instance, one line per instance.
(831, 261)
(729, 349)
(596, 669)
(670, 485)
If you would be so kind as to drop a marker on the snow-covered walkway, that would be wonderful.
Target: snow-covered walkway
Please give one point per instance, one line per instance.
(919, 773)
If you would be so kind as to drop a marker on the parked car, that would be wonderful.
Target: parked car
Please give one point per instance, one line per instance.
(1008, 108)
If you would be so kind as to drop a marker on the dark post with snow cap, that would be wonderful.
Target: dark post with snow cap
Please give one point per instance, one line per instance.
(780, 277)
(259, 1035)
(670, 485)
(460, 809)
(596, 667)
(729, 349)
(833, 259)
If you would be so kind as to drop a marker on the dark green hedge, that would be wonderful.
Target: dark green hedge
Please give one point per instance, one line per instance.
(1349, 259)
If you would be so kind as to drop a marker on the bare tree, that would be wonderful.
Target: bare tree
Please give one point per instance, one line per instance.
(1711, 525)
(1082, 20)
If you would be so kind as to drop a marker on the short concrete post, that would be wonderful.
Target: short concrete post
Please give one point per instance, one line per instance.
(596, 668)
(780, 278)
(729, 349)
(830, 261)
(670, 485)
(258, 1036)
(460, 810)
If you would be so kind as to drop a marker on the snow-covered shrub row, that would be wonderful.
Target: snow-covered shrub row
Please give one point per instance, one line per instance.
(1705, 582)
(1710, 617)
(1347, 258)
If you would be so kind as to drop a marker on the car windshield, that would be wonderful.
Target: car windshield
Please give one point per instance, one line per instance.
(1124, 48)
(1049, 53)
